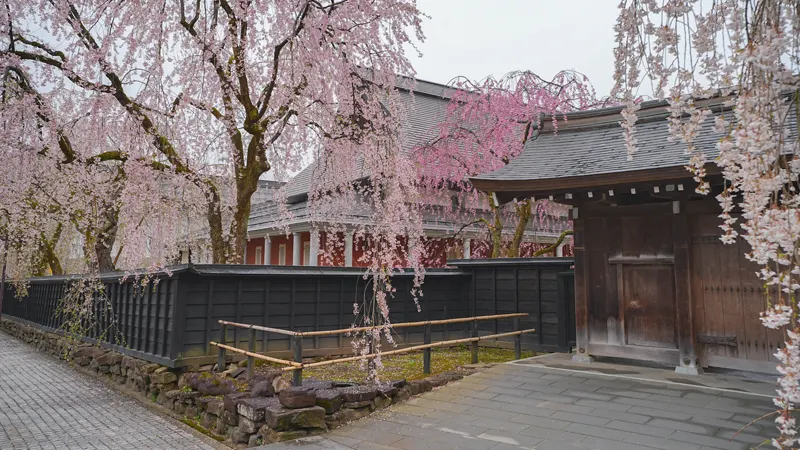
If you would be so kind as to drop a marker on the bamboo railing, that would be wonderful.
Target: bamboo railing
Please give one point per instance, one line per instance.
(297, 365)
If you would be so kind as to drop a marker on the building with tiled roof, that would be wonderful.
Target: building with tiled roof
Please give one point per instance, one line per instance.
(268, 240)
(653, 281)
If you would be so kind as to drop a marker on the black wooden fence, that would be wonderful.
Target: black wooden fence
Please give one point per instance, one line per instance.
(172, 318)
(541, 287)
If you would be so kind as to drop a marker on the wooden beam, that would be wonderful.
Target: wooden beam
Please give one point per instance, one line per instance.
(687, 363)
(581, 292)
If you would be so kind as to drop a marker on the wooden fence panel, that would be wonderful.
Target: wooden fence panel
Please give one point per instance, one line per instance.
(171, 319)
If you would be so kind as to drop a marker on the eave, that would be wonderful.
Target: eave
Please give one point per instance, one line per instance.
(506, 190)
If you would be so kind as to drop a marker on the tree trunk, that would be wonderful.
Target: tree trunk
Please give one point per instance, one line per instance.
(246, 186)
(102, 252)
(496, 229)
(214, 217)
(105, 243)
(50, 259)
(524, 217)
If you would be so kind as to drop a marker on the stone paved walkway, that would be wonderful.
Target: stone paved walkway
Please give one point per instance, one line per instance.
(45, 404)
(513, 406)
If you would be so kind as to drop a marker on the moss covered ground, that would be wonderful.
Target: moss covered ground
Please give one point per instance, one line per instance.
(405, 366)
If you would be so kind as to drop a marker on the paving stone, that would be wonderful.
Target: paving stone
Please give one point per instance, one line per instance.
(503, 446)
(659, 443)
(45, 403)
(686, 401)
(446, 415)
(458, 427)
(677, 425)
(613, 383)
(457, 407)
(506, 439)
(743, 437)
(575, 383)
(697, 411)
(366, 446)
(490, 413)
(609, 444)
(730, 424)
(623, 393)
(550, 434)
(414, 410)
(409, 443)
(639, 428)
(664, 390)
(602, 404)
(502, 390)
(385, 437)
(533, 402)
(588, 395)
(558, 398)
(495, 424)
(619, 415)
(580, 418)
(655, 412)
(468, 401)
(557, 445)
(708, 441)
(565, 407)
(525, 409)
(475, 394)
(591, 430)
(747, 418)
(543, 388)
(601, 413)
(545, 422)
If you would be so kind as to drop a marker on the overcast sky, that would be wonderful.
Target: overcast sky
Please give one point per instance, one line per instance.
(476, 38)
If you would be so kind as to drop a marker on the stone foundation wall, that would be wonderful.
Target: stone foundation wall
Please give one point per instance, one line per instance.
(226, 405)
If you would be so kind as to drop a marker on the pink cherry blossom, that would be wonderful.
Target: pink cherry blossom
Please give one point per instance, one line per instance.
(746, 53)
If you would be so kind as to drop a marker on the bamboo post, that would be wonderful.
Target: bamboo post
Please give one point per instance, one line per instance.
(221, 350)
(257, 355)
(409, 349)
(426, 353)
(251, 346)
(397, 325)
(475, 343)
(517, 340)
(371, 345)
(297, 376)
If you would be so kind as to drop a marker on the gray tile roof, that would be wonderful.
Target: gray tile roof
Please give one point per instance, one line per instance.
(424, 110)
(597, 146)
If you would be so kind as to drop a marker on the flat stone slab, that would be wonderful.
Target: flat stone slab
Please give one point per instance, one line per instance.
(254, 408)
(530, 405)
(280, 418)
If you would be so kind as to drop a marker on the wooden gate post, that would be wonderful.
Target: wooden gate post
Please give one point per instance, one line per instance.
(474, 343)
(581, 290)
(251, 346)
(687, 362)
(297, 376)
(221, 351)
(517, 340)
(426, 353)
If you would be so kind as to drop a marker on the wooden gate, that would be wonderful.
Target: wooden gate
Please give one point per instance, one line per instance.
(728, 298)
(648, 297)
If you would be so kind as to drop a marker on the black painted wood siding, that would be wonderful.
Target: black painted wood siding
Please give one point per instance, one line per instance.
(172, 319)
